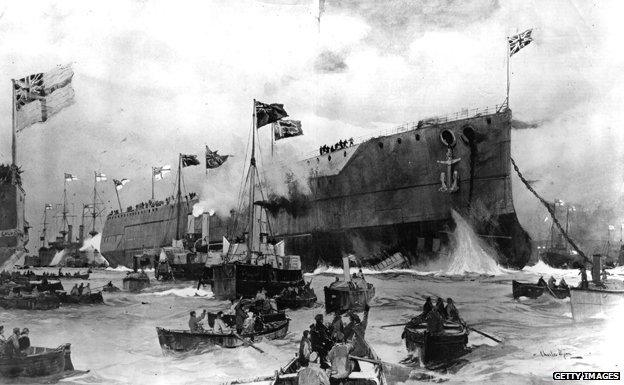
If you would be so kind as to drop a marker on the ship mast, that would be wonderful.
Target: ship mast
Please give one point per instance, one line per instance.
(45, 224)
(64, 231)
(93, 213)
(179, 197)
(252, 172)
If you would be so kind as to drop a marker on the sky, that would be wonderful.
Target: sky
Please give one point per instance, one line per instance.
(158, 78)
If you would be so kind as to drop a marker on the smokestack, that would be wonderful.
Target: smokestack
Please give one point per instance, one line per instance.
(81, 234)
(70, 233)
(345, 268)
(190, 224)
(205, 229)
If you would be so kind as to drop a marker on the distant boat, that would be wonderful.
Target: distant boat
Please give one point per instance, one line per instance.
(593, 303)
(440, 348)
(352, 294)
(531, 290)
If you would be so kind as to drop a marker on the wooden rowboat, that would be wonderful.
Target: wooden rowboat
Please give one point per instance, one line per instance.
(522, 289)
(436, 349)
(302, 300)
(276, 327)
(93, 298)
(593, 303)
(38, 362)
(135, 282)
(42, 302)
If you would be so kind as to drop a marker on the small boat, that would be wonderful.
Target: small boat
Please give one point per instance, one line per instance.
(371, 371)
(530, 290)
(351, 294)
(50, 286)
(594, 303)
(436, 349)
(42, 302)
(38, 362)
(39, 277)
(135, 281)
(305, 299)
(111, 288)
(93, 298)
(276, 327)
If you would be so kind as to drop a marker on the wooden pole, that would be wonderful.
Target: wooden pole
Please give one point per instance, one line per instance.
(508, 82)
(117, 193)
(252, 172)
(14, 126)
(152, 183)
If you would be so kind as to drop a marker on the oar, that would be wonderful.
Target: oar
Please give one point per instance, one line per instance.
(477, 331)
(253, 379)
(248, 343)
(372, 361)
(393, 325)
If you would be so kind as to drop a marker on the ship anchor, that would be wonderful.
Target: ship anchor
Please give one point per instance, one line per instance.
(450, 177)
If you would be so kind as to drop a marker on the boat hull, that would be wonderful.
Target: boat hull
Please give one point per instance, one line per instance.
(344, 299)
(529, 290)
(135, 284)
(85, 299)
(47, 302)
(437, 348)
(589, 304)
(295, 303)
(233, 280)
(38, 363)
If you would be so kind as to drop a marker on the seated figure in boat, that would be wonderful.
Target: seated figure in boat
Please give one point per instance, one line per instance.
(360, 274)
(435, 322)
(24, 340)
(320, 337)
(452, 311)
(87, 289)
(312, 374)
(75, 291)
(563, 284)
(248, 324)
(340, 364)
(584, 284)
(194, 322)
(552, 282)
(337, 327)
(305, 348)
(541, 282)
(220, 327)
(12, 347)
(440, 308)
(355, 331)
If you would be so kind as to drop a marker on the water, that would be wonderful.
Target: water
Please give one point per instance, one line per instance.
(118, 343)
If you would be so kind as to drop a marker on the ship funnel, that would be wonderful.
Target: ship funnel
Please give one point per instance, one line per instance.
(70, 233)
(345, 268)
(190, 224)
(596, 268)
(205, 228)
(81, 234)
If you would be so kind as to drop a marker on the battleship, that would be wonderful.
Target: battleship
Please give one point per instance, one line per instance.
(386, 194)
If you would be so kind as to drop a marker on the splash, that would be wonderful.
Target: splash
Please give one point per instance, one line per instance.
(118, 268)
(469, 255)
(93, 242)
(58, 258)
(184, 292)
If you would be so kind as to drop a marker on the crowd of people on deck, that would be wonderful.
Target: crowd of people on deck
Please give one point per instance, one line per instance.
(154, 203)
(340, 145)
(16, 345)
(326, 349)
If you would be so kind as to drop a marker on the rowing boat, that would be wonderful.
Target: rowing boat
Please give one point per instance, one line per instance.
(307, 299)
(593, 303)
(93, 298)
(41, 302)
(522, 289)
(275, 327)
(342, 296)
(433, 349)
(38, 362)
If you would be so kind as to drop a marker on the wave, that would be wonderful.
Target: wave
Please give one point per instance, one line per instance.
(118, 268)
(184, 292)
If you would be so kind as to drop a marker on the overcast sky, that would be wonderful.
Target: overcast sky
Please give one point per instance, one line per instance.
(155, 78)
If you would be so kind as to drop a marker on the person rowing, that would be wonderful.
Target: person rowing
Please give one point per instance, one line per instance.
(194, 322)
(452, 311)
(220, 327)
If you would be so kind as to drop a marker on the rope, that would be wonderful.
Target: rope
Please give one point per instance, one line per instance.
(550, 211)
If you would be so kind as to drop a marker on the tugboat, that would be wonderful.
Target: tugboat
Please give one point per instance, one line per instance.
(352, 294)
(255, 261)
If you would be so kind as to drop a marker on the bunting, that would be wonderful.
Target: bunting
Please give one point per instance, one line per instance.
(286, 129)
(159, 172)
(189, 160)
(99, 177)
(70, 177)
(517, 42)
(214, 160)
(269, 113)
(120, 183)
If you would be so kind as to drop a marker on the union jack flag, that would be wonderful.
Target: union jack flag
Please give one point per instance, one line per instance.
(517, 42)
(28, 89)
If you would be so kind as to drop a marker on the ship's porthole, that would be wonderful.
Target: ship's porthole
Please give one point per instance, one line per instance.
(380, 144)
(468, 134)
(329, 158)
(448, 138)
(417, 136)
(399, 140)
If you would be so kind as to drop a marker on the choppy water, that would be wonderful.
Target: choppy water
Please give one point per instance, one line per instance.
(118, 343)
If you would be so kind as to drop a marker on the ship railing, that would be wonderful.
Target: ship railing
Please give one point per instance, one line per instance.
(424, 123)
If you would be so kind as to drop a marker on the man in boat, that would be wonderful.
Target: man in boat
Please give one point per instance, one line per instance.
(337, 326)
(435, 322)
(440, 308)
(80, 288)
(356, 332)
(452, 311)
(248, 325)
(240, 315)
(220, 327)
(427, 307)
(563, 284)
(87, 289)
(24, 340)
(11, 348)
(305, 348)
(360, 274)
(552, 282)
(312, 374)
(74, 290)
(261, 295)
(194, 322)
(584, 283)
(541, 282)
(320, 337)
(340, 364)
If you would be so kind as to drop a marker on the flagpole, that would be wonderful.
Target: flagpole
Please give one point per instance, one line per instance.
(179, 197)
(273, 127)
(117, 192)
(14, 126)
(93, 214)
(252, 172)
(152, 184)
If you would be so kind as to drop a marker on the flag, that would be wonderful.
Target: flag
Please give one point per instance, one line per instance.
(286, 129)
(189, 160)
(70, 177)
(99, 177)
(42, 95)
(517, 42)
(269, 113)
(48, 206)
(214, 160)
(120, 183)
(160, 172)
